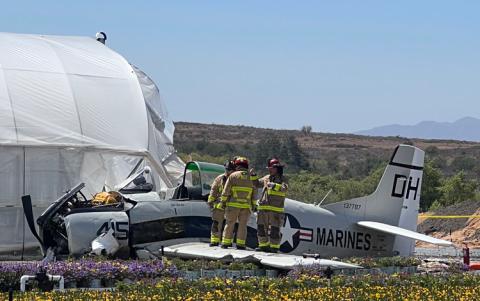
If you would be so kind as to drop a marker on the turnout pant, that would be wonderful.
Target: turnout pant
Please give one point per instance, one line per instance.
(218, 216)
(268, 228)
(232, 215)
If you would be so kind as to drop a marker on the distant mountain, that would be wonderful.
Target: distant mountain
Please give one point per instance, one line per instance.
(467, 128)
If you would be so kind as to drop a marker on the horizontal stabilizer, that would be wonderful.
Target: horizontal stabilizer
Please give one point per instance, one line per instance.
(403, 232)
(198, 250)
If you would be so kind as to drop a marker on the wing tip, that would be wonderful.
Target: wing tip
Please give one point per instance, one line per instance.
(395, 230)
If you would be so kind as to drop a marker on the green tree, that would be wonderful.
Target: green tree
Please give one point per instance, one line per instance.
(293, 155)
(457, 189)
(306, 129)
(310, 188)
(348, 189)
(266, 148)
(463, 163)
(370, 183)
(360, 168)
(286, 149)
(431, 186)
(332, 162)
(432, 151)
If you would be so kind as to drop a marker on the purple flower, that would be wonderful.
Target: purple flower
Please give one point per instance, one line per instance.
(86, 269)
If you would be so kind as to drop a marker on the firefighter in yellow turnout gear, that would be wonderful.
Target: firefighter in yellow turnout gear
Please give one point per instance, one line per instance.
(238, 199)
(270, 215)
(216, 206)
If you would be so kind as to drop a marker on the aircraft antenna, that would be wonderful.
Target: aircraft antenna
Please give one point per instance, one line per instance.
(319, 204)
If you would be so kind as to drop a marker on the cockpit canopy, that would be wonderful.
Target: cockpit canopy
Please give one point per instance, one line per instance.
(197, 180)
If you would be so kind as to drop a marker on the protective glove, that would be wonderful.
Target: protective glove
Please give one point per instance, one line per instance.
(270, 185)
(252, 174)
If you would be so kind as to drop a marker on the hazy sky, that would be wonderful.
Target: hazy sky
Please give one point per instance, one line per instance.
(337, 66)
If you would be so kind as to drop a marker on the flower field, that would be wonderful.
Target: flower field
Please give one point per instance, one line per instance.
(397, 287)
(165, 280)
(84, 270)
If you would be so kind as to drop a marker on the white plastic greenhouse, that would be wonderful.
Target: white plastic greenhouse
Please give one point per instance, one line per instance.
(72, 110)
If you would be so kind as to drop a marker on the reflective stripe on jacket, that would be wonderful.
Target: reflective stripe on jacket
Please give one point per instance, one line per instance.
(274, 198)
(239, 190)
(216, 191)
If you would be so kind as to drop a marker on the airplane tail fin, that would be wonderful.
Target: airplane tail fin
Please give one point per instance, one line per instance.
(396, 200)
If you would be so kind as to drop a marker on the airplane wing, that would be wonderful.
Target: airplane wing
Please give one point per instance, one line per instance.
(403, 232)
(198, 250)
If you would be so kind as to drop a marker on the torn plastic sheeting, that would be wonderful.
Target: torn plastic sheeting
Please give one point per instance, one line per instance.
(46, 111)
(77, 92)
(82, 111)
(155, 105)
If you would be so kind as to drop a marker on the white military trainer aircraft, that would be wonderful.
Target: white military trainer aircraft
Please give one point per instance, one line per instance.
(380, 224)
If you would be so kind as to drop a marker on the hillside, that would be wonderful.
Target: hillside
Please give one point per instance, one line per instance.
(351, 165)
(326, 153)
(243, 134)
(459, 230)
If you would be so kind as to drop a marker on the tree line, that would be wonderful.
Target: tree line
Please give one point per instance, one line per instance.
(438, 190)
(445, 182)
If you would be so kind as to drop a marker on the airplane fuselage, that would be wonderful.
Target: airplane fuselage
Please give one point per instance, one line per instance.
(307, 228)
(380, 224)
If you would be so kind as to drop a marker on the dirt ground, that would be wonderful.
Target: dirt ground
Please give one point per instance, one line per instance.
(460, 231)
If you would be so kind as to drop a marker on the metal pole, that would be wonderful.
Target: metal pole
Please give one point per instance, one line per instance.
(23, 281)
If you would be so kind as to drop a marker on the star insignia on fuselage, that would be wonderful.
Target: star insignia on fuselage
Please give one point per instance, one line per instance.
(288, 233)
(293, 233)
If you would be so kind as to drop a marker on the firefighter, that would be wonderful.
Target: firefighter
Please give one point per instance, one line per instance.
(238, 200)
(218, 211)
(270, 215)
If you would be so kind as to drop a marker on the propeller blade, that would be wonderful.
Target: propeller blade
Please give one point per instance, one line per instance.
(28, 211)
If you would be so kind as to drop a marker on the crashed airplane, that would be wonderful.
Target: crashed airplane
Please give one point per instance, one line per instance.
(380, 224)
(65, 102)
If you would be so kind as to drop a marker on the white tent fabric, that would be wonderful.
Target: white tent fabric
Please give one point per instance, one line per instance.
(72, 110)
